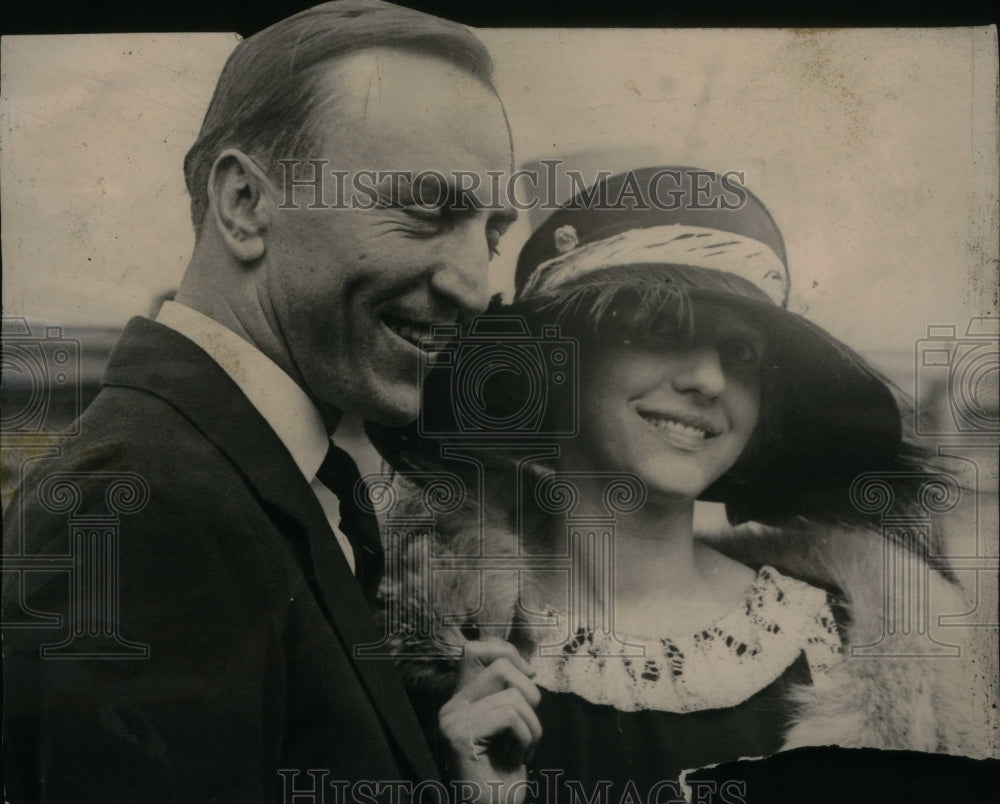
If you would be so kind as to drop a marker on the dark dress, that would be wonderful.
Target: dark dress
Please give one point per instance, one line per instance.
(620, 730)
(590, 746)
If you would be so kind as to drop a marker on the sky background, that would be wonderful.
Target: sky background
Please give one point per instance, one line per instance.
(875, 150)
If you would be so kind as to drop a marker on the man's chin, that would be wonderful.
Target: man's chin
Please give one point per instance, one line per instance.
(392, 418)
(396, 408)
(389, 407)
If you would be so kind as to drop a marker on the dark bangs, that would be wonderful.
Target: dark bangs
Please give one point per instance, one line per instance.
(633, 301)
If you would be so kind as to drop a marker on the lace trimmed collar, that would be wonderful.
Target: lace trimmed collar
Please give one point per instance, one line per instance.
(721, 666)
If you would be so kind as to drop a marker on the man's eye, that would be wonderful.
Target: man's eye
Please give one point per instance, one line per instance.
(493, 236)
(496, 227)
(424, 214)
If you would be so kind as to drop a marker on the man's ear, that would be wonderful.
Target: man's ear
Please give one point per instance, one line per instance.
(239, 205)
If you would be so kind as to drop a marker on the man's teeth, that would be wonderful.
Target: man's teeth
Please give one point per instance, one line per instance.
(410, 332)
(674, 426)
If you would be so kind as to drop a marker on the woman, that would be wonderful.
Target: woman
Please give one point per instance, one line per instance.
(657, 650)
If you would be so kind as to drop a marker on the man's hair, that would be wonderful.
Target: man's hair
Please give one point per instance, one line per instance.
(267, 100)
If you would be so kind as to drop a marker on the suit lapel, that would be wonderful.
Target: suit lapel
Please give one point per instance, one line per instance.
(156, 359)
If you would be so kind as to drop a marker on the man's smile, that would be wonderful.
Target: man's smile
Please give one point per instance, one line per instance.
(410, 330)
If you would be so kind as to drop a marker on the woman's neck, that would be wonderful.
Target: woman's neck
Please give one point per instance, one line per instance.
(665, 581)
(655, 549)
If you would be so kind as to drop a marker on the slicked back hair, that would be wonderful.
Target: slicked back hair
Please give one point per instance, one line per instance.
(266, 100)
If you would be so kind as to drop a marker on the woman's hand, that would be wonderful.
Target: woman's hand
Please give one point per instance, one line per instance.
(490, 722)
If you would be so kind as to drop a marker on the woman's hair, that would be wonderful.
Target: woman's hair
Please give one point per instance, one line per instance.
(268, 101)
(635, 304)
(630, 300)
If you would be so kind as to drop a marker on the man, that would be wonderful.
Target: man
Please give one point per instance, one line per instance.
(231, 609)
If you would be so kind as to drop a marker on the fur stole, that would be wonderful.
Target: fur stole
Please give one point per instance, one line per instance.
(901, 685)
(905, 692)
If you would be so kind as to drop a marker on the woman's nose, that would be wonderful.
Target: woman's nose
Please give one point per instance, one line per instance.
(700, 371)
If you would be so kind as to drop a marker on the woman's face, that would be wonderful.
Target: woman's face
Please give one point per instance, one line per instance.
(677, 415)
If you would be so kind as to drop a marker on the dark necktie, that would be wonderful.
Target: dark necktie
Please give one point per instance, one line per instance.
(339, 474)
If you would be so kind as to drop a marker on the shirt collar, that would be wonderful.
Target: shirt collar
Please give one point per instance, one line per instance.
(275, 395)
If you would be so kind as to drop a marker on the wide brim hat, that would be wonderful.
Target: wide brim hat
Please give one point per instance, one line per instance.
(828, 416)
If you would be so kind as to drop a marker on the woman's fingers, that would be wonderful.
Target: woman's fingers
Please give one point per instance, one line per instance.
(492, 714)
(480, 718)
(501, 674)
(481, 653)
(471, 727)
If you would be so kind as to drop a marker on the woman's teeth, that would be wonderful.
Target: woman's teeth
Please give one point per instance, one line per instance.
(675, 427)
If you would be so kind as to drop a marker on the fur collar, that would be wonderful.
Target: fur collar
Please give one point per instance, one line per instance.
(920, 691)
(908, 693)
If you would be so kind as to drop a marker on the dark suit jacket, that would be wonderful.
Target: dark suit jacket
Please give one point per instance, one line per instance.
(232, 577)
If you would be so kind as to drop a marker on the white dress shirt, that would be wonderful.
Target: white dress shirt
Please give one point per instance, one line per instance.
(275, 395)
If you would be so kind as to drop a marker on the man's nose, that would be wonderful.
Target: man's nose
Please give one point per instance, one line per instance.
(462, 275)
(700, 372)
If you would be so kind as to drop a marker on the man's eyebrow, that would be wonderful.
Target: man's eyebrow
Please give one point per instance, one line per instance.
(391, 182)
(467, 199)
(399, 188)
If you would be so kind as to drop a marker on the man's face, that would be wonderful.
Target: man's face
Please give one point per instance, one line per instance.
(349, 292)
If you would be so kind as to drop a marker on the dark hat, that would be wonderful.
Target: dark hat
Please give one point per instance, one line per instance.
(629, 248)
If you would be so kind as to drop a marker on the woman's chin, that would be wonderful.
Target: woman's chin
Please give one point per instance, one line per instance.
(673, 494)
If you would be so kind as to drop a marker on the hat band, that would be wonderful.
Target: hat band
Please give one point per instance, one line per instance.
(673, 244)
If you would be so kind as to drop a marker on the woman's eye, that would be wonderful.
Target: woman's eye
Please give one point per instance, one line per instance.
(743, 352)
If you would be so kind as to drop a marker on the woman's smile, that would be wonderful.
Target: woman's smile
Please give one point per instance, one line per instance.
(685, 431)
